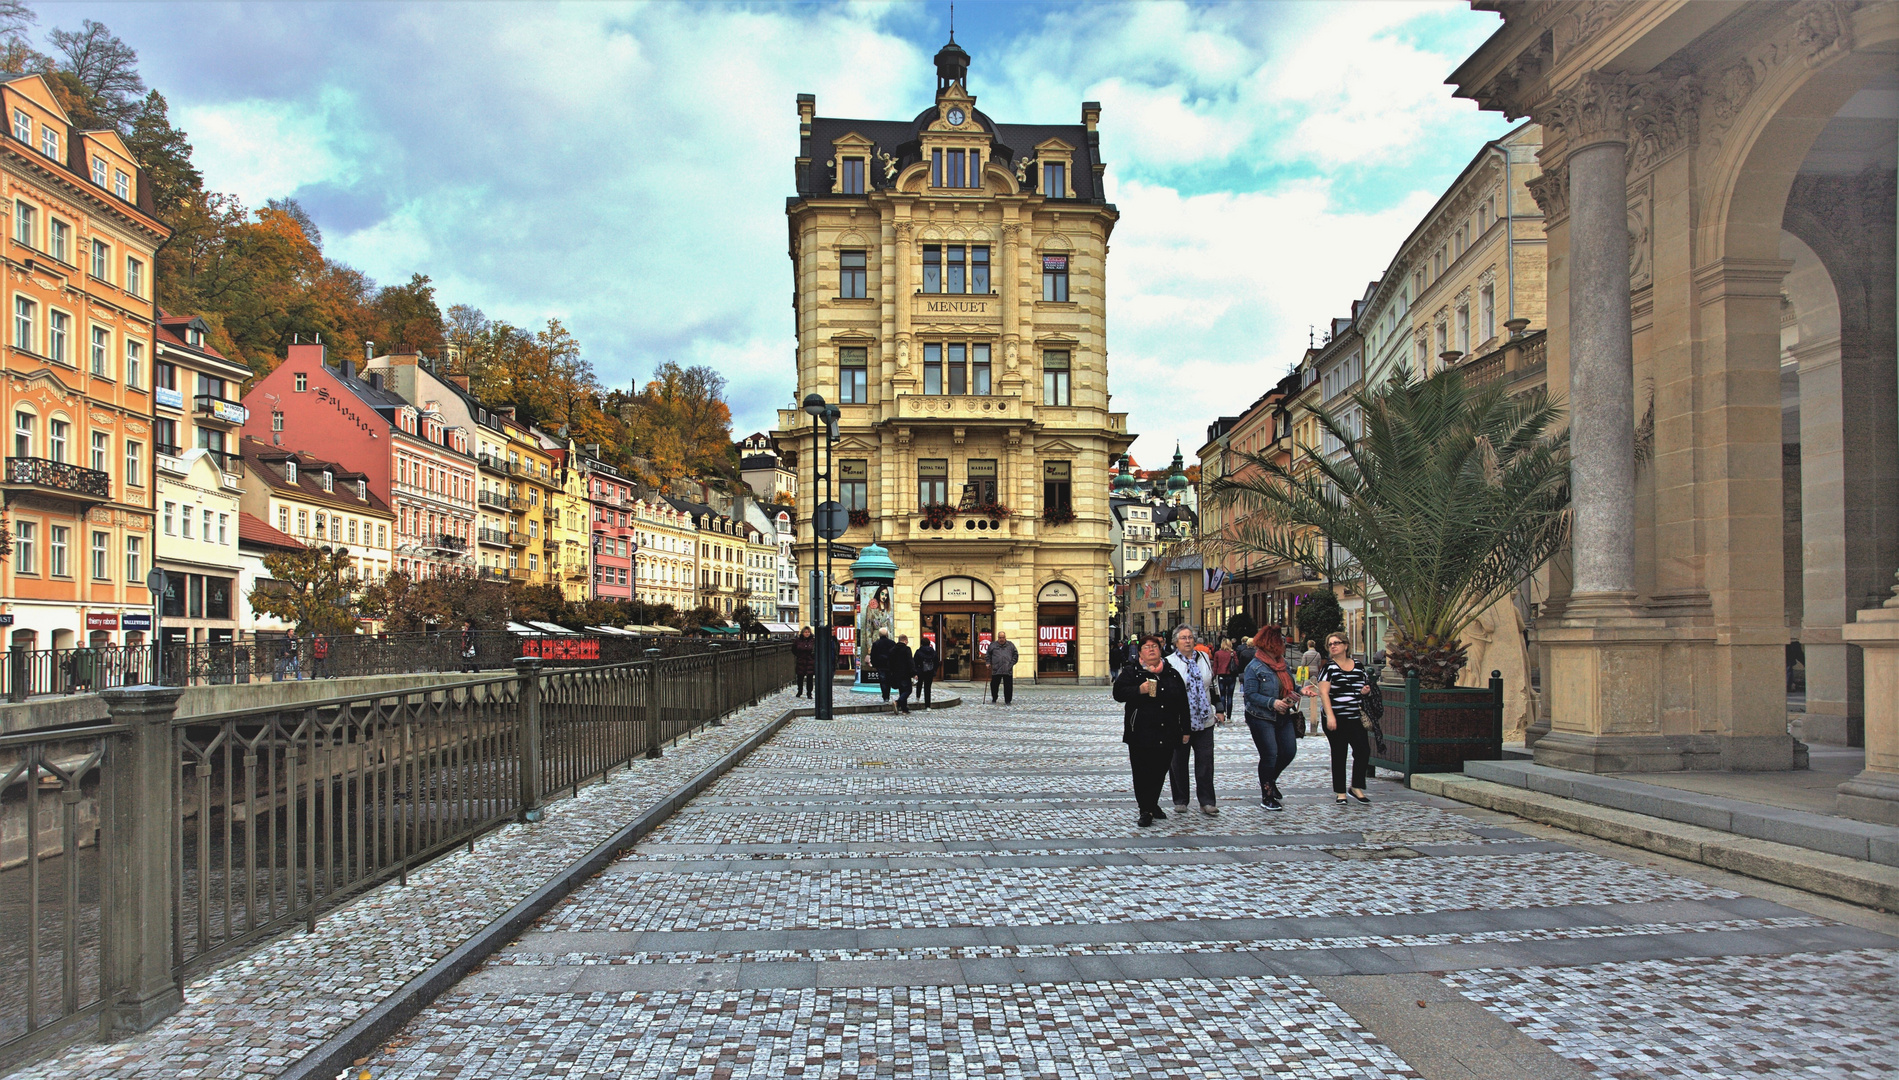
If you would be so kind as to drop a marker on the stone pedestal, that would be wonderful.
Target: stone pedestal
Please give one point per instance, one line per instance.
(1873, 795)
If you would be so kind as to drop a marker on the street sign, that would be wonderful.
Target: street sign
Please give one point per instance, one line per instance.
(842, 551)
(831, 520)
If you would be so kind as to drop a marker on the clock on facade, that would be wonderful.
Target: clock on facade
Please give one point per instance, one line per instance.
(956, 117)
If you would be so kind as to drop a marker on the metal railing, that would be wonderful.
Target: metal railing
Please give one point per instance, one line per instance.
(30, 673)
(142, 850)
(58, 476)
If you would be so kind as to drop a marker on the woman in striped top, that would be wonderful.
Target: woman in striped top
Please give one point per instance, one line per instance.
(1342, 690)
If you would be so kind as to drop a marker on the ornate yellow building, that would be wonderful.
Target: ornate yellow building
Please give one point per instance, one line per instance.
(949, 277)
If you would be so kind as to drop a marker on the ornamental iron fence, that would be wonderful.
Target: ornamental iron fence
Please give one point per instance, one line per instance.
(139, 851)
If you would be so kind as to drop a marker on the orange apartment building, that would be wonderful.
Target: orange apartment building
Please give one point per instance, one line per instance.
(77, 353)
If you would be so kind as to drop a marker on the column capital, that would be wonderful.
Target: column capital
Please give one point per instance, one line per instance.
(1593, 111)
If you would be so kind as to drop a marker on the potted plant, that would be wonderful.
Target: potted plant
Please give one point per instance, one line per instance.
(939, 516)
(860, 517)
(1449, 499)
(995, 510)
(1058, 514)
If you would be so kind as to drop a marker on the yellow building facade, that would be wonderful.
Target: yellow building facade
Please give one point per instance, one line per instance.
(950, 283)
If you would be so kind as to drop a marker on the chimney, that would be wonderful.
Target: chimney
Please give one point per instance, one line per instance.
(347, 367)
(369, 350)
(303, 352)
(459, 380)
(375, 379)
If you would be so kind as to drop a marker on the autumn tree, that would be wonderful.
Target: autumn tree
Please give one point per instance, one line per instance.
(680, 423)
(311, 587)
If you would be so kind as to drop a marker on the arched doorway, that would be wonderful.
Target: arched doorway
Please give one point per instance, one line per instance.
(1057, 648)
(959, 615)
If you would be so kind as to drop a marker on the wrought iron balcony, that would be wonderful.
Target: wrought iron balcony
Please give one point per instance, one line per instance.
(493, 536)
(58, 479)
(224, 411)
(517, 573)
(492, 498)
(444, 542)
(517, 539)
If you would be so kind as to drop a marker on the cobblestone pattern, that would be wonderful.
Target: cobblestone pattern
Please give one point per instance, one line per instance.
(258, 1014)
(1729, 1018)
(782, 899)
(1056, 786)
(1230, 1029)
(995, 952)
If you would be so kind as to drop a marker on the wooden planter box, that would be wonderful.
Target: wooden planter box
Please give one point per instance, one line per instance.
(1438, 730)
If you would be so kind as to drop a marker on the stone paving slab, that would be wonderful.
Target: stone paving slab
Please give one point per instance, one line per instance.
(260, 1013)
(875, 898)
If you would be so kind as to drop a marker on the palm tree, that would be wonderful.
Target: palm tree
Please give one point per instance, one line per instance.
(1450, 499)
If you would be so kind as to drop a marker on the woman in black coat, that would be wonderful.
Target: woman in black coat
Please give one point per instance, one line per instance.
(1155, 723)
(804, 652)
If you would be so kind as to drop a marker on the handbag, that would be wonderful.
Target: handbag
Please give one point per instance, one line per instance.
(1373, 711)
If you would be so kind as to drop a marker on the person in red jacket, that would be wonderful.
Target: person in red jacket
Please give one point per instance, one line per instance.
(320, 652)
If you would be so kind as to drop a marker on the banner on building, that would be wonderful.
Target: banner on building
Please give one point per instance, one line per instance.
(135, 622)
(102, 620)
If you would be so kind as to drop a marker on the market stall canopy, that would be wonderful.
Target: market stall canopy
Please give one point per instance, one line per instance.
(550, 628)
(517, 628)
(780, 628)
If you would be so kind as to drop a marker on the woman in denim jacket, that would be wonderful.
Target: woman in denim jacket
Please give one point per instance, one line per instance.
(1272, 712)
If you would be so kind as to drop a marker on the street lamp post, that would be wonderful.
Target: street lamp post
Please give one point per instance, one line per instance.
(823, 422)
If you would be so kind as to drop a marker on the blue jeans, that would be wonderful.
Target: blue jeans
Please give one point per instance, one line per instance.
(1278, 743)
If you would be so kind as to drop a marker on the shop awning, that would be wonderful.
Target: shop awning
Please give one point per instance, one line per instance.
(779, 628)
(550, 628)
(517, 628)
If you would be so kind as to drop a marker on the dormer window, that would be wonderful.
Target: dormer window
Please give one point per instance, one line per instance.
(329, 481)
(99, 171)
(851, 175)
(194, 337)
(362, 490)
(49, 141)
(122, 184)
(290, 470)
(1054, 180)
(22, 126)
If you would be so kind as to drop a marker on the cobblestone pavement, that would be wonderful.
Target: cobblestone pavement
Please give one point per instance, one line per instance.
(258, 1014)
(967, 893)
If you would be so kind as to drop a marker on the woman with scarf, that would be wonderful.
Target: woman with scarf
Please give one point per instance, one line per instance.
(1154, 724)
(1272, 712)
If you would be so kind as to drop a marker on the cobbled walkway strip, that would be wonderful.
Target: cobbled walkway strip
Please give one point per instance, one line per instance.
(257, 1015)
(968, 895)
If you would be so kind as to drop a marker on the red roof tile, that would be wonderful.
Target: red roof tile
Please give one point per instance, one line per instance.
(251, 530)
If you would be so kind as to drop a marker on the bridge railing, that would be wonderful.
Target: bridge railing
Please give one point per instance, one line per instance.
(140, 851)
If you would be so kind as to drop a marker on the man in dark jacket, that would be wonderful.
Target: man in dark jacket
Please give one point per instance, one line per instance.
(899, 667)
(1002, 657)
(926, 660)
(879, 653)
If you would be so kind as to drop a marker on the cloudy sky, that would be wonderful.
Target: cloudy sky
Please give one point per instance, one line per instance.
(624, 167)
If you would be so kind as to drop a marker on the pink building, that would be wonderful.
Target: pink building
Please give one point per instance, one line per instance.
(422, 467)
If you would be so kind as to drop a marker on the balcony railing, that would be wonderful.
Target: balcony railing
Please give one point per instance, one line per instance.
(58, 478)
(492, 498)
(220, 409)
(517, 573)
(517, 539)
(518, 505)
(444, 542)
(492, 536)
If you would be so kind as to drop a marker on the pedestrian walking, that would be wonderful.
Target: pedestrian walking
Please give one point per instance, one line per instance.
(804, 653)
(1342, 688)
(1311, 666)
(899, 668)
(1002, 658)
(1154, 723)
(467, 648)
(1196, 671)
(880, 652)
(925, 661)
(320, 656)
(292, 656)
(1272, 713)
(1117, 657)
(1226, 668)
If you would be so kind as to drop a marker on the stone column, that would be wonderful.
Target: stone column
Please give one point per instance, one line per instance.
(137, 818)
(1601, 351)
(1873, 795)
(1603, 675)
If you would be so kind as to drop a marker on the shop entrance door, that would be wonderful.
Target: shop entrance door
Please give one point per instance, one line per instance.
(959, 641)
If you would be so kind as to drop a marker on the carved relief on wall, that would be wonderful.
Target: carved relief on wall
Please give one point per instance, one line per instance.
(1641, 237)
(1817, 31)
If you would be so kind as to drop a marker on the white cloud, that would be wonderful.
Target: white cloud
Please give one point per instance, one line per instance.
(624, 167)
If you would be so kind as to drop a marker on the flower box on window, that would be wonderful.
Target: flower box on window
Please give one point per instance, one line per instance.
(860, 517)
(1058, 515)
(939, 515)
(993, 509)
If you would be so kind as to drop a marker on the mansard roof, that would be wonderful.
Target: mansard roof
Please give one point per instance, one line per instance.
(902, 140)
